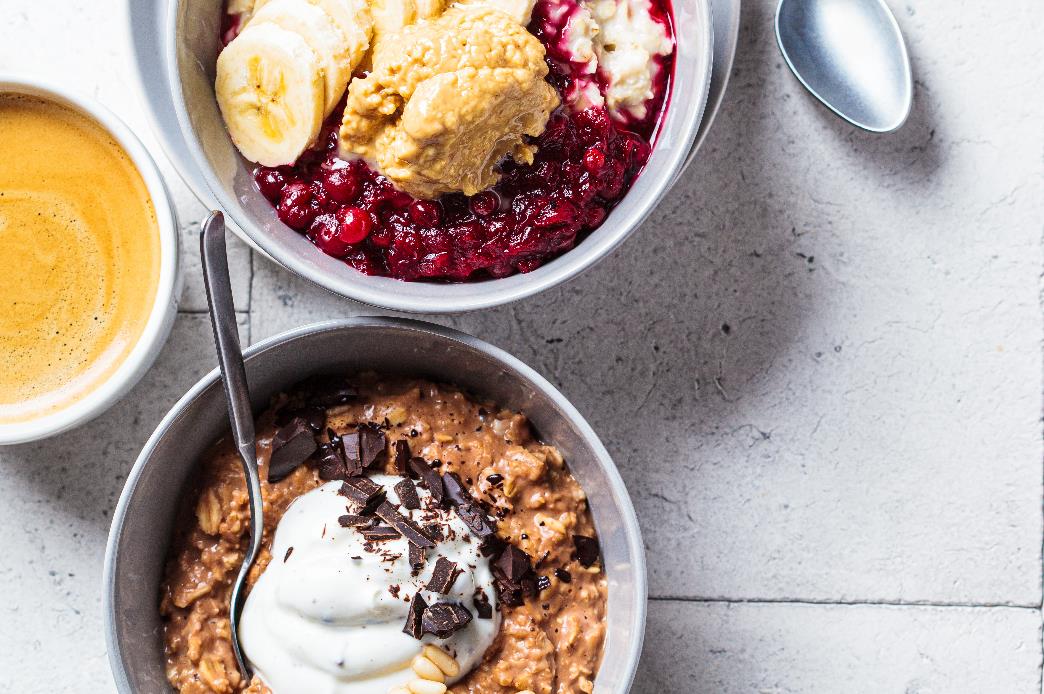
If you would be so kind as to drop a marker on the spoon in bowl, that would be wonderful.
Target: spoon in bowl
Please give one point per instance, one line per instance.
(851, 55)
(233, 376)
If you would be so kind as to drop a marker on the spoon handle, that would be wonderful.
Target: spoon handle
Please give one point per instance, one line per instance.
(233, 377)
(226, 331)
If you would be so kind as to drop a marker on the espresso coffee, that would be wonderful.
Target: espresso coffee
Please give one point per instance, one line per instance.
(79, 256)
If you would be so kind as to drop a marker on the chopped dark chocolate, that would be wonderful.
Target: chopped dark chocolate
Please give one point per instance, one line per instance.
(372, 445)
(491, 546)
(329, 392)
(416, 557)
(350, 452)
(350, 520)
(331, 464)
(364, 492)
(587, 552)
(496, 479)
(508, 593)
(414, 619)
(455, 490)
(476, 519)
(513, 564)
(483, 608)
(380, 533)
(407, 493)
(410, 530)
(291, 446)
(429, 478)
(443, 576)
(443, 619)
(563, 576)
(402, 456)
(543, 583)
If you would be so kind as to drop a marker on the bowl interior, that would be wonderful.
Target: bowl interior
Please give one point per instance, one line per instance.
(192, 48)
(144, 519)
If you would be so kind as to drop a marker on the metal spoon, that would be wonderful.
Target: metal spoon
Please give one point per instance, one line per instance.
(851, 55)
(233, 376)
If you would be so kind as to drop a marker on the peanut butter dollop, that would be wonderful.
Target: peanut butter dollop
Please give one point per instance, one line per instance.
(447, 99)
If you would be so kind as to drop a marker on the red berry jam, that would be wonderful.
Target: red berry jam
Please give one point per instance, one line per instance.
(584, 165)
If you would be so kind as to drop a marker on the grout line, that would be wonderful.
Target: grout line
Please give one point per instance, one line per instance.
(840, 603)
(203, 311)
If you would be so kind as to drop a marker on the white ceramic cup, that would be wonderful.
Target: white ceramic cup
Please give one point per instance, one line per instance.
(168, 290)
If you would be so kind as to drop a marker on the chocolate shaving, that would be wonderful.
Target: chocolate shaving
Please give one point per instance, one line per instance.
(289, 551)
(416, 557)
(483, 608)
(350, 520)
(587, 551)
(443, 619)
(372, 444)
(410, 530)
(430, 479)
(414, 620)
(543, 583)
(331, 463)
(402, 456)
(291, 446)
(563, 576)
(443, 576)
(407, 493)
(380, 533)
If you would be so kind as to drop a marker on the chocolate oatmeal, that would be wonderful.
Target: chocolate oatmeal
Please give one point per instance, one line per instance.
(550, 589)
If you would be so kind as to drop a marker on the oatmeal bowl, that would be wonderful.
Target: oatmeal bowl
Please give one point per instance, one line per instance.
(438, 518)
(437, 156)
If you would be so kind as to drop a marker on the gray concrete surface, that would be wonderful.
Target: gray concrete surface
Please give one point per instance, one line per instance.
(818, 366)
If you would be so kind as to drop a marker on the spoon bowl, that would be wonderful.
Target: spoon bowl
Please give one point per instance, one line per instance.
(851, 55)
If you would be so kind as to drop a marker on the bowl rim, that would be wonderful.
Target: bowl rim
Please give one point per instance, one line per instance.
(442, 298)
(620, 496)
(168, 284)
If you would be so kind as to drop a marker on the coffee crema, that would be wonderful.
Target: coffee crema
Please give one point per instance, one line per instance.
(79, 256)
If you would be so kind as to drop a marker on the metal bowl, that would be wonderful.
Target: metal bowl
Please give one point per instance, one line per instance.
(144, 519)
(192, 45)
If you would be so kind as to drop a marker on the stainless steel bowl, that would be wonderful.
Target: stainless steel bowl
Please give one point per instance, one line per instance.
(144, 519)
(192, 45)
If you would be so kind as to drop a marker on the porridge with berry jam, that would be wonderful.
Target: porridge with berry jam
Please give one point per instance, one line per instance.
(430, 140)
(415, 542)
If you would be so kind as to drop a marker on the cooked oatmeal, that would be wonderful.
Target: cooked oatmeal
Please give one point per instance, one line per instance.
(550, 644)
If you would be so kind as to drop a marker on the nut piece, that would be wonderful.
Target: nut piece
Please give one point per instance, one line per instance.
(426, 687)
(208, 513)
(427, 670)
(443, 660)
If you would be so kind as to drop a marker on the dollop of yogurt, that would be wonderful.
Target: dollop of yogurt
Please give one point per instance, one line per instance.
(328, 619)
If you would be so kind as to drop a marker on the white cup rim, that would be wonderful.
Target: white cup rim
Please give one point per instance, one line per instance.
(164, 306)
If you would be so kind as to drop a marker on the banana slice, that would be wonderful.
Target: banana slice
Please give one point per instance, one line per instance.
(429, 9)
(352, 17)
(270, 89)
(319, 31)
(390, 16)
